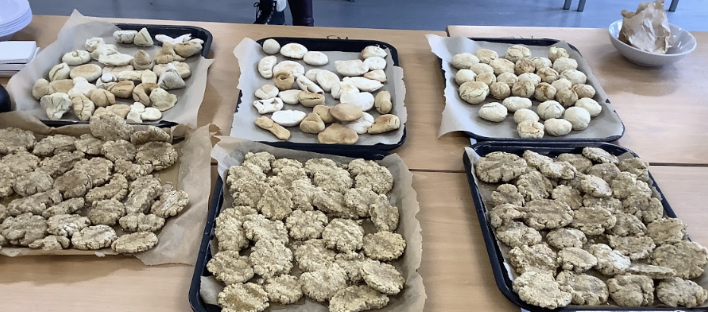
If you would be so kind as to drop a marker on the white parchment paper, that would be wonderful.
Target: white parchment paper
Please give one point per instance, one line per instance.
(461, 116)
(72, 36)
(249, 52)
(231, 151)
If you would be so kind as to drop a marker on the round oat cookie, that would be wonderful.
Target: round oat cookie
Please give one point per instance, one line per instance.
(271, 258)
(536, 160)
(566, 237)
(507, 194)
(276, 203)
(312, 255)
(626, 184)
(499, 167)
(665, 231)
(258, 228)
(60, 163)
(384, 215)
(631, 290)
(248, 192)
(539, 258)
(262, 160)
(360, 200)
(627, 225)
(568, 195)
(360, 165)
(7, 180)
(595, 186)
(284, 289)
(541, 289)
(677, 292)
(384, 246)
(585, 289)
(635, 166)
(106, 212)
(108, 127)
(534, 185)
(351, 262)
(16, 140)
(66, 224)
(170, 203)
(547, 214)
(303, 193)
(94, 237)
(343, 235)
(382, 277)
(609, 203)
(609, 262)
(304, 225)
(332, 202)
(335, 179)
(377, 179)
(89, 145)
(505, 214)
(19, 163)
(152, 134)
(23, 229)
(593, 220)
(558, 170)
(230, 267)
(32, 183)
(140, 222)
(244, 172)
(599, 155)
(99, 169)
(286, 176)
(281, 163)
(635, 247)
(68, 206)
(357, 298)
(578, 161)
(134, 242)
(517, 234)
(160, 155)
(646, 208)
(653, 271)
(238, 297)
(321, 285)
(132, 171)
(35, 204)
(687, 258)
(119, 150)
(229, 231)
(317, 165)
(576, 259)
(74, 183)
(51, 242)
(606, 171)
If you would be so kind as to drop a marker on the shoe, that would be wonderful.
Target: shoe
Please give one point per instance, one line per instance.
(267, 14)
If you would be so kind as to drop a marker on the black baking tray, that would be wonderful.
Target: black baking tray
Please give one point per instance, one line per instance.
(543, 42)
(495, 257)
(344, 45)
(170, 30)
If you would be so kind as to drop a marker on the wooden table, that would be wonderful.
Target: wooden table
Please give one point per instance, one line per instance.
(663, 109)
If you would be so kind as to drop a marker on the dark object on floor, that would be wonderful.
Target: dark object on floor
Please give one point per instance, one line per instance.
(301, 11)
(5, 104)
(267, 14)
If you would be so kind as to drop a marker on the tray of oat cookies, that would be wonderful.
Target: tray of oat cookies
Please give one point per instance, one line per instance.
(329, 233)
(526, 89)
(582, 227)
(311, 94)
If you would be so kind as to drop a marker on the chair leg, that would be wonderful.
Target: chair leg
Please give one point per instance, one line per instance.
(581, 5)
(674, 4)
(566, 5)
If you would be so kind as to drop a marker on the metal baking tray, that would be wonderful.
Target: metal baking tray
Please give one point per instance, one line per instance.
(542, 42)
(170, 30)
(501, 274)
(344, 45)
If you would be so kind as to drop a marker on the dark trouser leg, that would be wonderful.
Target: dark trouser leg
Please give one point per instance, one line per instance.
(302, 12)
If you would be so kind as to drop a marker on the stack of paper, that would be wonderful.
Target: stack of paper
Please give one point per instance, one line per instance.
(14, 55)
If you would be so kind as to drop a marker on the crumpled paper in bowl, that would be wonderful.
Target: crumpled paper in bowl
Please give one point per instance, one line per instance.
(648, 28)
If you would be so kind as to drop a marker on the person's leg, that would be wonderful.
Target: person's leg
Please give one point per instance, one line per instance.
(271, 12)
(301, 11)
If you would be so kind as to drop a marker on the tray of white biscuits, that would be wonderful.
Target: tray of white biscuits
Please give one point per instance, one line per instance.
(582, 226)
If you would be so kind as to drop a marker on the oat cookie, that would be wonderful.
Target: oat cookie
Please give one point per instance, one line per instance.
(16, 140)
(668, 230)
(51, 242)
(384, 246)
(498, 167)
(609, 203)
(627, 184)
(635, 247)
(66, 224)
(284, 289)
(230, 267)
(534, 185)
(60, 163)
(321, 285)
(134, 242)
(538, 258)
(7, 180)
(145, 182)
(536, 160)
(332, 203)
(568, 195)
(248, 297)
(54, 144)
(140, 199)
(627, 224)
(688, 259)
(74, 183)
(170, 204)
(595, 186)
(541, 289)
(261, 159)
(505, 214)
(566, 237)
(585, 289)
(243, 173)
(119, 150)
(316, 165)
(152, 134)
(384, 215)
(94, 237)
(635, 166)
(23, 229)
(304, 225)
(285, 177)
(343, 235)
(652, 271)
(281, 163)
(507, 194)
(382, 277)
(336, 179)
(66, 207)
(351, 262)
(229, 231)
(109, 127)
(547, 214)
(160, 155)
(631, 290)
(106, 212)
(578, 161)
(258, 228)
(645, 208)
(89, 145)
(361, 200)
(303, 194)
(359, 165)
(312, 255)
(576, 259)
(517, 234)
(558, 170)
(276, 203)
(35, 204)
(378, 179)
(606, 171)
(357, 298)
(116, 188)
(4, 213)
(132, 171)
(599, 155)
(677, 292)
(32, 183)
(139, 222)
(248, 192)
(19, 163)
(609, 262)
(593, 220)
(99, 169)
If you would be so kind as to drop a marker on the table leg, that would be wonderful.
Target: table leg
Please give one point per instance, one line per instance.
(566, 5)
(674, 4)
(581, 5)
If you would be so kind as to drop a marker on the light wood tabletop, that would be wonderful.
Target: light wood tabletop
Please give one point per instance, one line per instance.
(663, 109)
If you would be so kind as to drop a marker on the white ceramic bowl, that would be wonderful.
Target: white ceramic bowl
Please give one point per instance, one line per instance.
(684, 44)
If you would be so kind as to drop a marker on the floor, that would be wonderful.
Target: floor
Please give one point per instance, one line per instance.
(395, 14)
